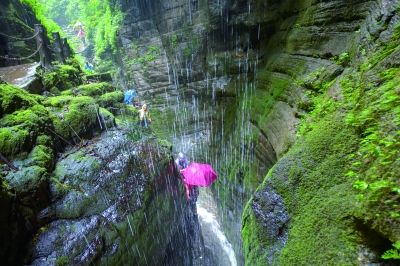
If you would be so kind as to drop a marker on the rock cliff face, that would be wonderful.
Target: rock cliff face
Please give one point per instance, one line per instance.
(113, 202)
(75, 190)
(316, 45)
(17, 21)
(290, 63)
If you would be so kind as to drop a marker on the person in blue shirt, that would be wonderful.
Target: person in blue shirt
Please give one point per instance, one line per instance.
(129, 97)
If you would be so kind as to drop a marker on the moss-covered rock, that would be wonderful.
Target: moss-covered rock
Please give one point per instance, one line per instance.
(79, 119)
(13, 140)
(28, 179)
(338, 182)
(111, 99)
(13, 98)
(95, 89)
(311, 180)
(62, 77)
(42, 156)
(107, 118)
(19, 130)
(58, 101)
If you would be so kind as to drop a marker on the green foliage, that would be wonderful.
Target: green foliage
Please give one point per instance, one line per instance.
(173, 40)
(343, 59)
(393, 253)
(40, 11)
(150, 55)
(384, 51)
(317, 81)
(375, 165)
(101, 20)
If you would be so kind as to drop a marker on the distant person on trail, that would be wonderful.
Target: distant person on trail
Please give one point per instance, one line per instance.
(88, 66)
(144, 116)
(129, 97)
(78, 27)
(192, 192)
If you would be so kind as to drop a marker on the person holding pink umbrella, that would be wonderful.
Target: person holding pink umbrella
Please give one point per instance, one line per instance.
(194, 175)
(192, 192)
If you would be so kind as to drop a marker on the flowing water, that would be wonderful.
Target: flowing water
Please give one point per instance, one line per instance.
(19, 75)
(214, 237)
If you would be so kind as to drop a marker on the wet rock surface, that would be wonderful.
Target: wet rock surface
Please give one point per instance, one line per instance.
(113, 201)
(271, 214)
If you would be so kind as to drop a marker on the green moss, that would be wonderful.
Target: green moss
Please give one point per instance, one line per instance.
(270, 88)
(107, 118)
(111, 99)
(62, 261)
(13, 98)
(80, 119)
(28, 179)
(62, 77)
(95, 89)
(13, 140)
(20, 129)
(42, 156)
(33, 119)
(58, 101)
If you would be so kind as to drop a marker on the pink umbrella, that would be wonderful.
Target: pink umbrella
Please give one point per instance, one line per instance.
(198, 174)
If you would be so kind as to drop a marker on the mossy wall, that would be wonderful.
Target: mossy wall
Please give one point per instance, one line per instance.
(342, 207)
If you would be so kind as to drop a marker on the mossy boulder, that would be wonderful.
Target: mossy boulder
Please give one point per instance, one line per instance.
(13, 140)
(95, 89)
(13, 98)
(79, 120)
(58, 101)
(62, 77)
(27, 179)
(19, 130)
(42, 156)
(107, 118)
(111, 99)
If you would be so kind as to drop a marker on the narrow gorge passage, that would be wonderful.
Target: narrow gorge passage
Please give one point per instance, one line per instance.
(292, 104)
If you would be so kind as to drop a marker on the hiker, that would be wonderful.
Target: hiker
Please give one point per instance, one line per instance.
(88, 66)
(129, 97)
(181, 162)
(192, 191)
(144, 116)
